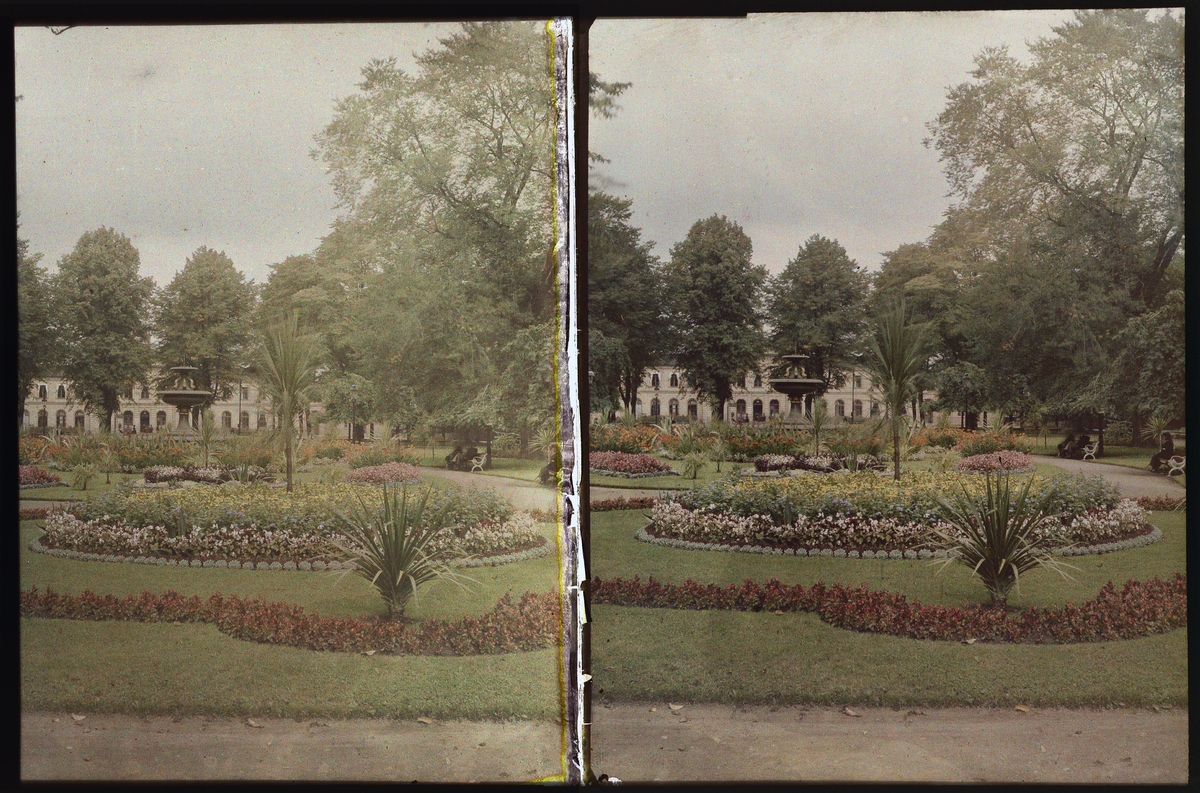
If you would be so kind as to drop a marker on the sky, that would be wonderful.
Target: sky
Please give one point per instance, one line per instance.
(180, 137)
(790, 124)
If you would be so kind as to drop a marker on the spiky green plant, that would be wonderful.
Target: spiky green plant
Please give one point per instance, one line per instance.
(207, 436)
(898, 356)
(287, 372)
(390, 546)
(693, 464)
(820, 423)
(718, 450)
(81, 475)
(1156, 425)
(992, 535)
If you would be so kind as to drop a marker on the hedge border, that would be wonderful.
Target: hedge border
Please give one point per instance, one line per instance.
(545, 549)
(1148, 538)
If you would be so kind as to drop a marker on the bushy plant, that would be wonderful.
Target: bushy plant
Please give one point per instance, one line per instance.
(993, 534)
(82, 475)
(35, 475)
(387, 473)
(624, 463)
(976, 443)
(941, 436)
(995, 462)
(627, 438)
(378, 453)
(693, 464)
(31, 449)
(390, 547)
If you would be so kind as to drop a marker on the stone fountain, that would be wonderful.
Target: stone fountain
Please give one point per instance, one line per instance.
(185, 396)
(799, 386)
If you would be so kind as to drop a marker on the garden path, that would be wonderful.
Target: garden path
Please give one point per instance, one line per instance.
(1132, 482)
(727, 742)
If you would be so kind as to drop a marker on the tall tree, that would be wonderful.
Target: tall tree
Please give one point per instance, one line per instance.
(102, 305)
(36, 338)
(716, 303)
(203, 318)
(820, 301)
(625, 299)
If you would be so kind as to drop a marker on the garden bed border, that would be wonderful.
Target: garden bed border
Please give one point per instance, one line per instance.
(623, 475)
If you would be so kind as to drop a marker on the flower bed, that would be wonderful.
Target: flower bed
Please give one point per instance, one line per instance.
(531, 623)
(994, 462)
(1160, 502)
(821, 463)
(974, 443)
(610, 504)
(631, 439)
(1137, 609)
(35, 476)
(630, 466)
(212, 474)
(388, 473)
(491, 542)
(35, 513)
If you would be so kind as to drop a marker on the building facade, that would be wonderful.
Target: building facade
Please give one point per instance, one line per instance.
(664, 392)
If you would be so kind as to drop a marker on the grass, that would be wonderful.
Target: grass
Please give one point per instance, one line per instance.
(1127, 456)
(65, 492)
(194, 669)
(653, 654)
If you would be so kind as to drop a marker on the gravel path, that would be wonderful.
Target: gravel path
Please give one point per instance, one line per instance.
(1132, 482)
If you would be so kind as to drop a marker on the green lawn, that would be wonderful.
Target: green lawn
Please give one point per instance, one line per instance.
(194, 669)
(1128, 456)
(717, 656)
(65, 492)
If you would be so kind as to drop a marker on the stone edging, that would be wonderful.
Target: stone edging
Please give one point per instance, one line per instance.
(36, 546)
(1153, 536)
(43, 484)
(623, 475)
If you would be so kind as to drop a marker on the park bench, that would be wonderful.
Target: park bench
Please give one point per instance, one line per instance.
(477, 463)
(1089, 451)
(1175, 466)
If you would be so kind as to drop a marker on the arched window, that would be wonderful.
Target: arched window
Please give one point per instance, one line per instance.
(127, 418)
(226, 420)
(741, 408)
(874, 408)
(758, 381)
(839, 408)
(80, 421)
(858, 408)
(654, 380)
(655, 408)
(60, 419)
(145, 392)
(673, 407)
(42, 393)
(693, 410)
(160, 418)
(144, 421)
(62, 392)
(774, 407)
(244, 421)
(758, 414)
(42, 419)
(262, 420)
(674, 380)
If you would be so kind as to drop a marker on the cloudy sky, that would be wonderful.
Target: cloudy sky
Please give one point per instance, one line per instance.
(186, 136)
(792, 125)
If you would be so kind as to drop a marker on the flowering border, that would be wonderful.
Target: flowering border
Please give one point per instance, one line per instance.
(530, 623)
(1137, 609)
(1151, 536)
(623, 475)
(543, 549)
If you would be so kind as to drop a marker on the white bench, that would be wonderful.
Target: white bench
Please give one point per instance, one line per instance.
(477, 463)
(1176, 465)
(1089, 451)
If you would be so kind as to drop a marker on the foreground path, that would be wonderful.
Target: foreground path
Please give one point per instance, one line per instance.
(1132, 482)
(725, 742)
(117, 747)
(523, 495)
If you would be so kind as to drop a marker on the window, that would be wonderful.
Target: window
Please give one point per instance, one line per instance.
(62, 392)
(127, 418)
(774, 406)
(654, 380)
(226, 420)
(858, 408)
(637, 409)
(741, 407)
(79, 420)
(874, 408)
(262, 420)
(693, 411)
(244, 421)
(858, 381)
(129, 393)
(674, 380)
(60, 419)
(42, 419)
(245, 392)
(743, 381)
(673, 407)
(145, 392)
(758, 414)
(42, 394)
(839, 408)
(758, 381)
(160, 418)
(655, 408)
(144, 421)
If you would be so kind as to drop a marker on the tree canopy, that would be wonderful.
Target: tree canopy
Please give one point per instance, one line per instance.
(36, 336)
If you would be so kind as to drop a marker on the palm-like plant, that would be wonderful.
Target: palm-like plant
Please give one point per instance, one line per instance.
(1156, 425)
(718, 450)
(207, 437)
(898, 355)
(390, 547)
(693, 464)
(820, 423)
(993, 535)
(287, 371)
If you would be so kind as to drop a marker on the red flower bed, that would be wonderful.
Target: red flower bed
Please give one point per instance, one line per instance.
(610, 504)
(1137, 609)
(624, 463)
(531, 623)
(33, 475)
(34, 513)
(1158, 502)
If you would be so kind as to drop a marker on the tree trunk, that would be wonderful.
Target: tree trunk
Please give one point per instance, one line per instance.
(896, 449)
